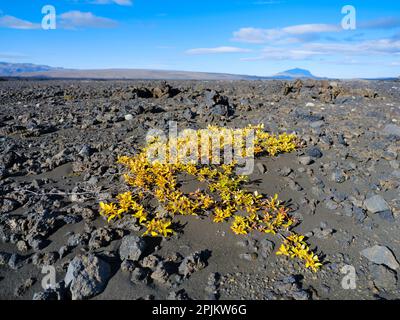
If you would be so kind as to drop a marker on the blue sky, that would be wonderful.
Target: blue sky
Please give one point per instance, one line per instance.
(257, 37)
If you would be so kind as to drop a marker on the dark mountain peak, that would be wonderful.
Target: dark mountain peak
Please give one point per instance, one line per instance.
(299, 71)
(295, 73)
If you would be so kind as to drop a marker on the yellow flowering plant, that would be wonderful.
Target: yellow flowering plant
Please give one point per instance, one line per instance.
(294, 246)
(224, 199)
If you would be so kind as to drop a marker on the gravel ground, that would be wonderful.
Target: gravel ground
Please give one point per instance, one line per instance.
(59, 141)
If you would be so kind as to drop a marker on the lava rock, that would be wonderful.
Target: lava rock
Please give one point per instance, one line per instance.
(386, 215)
(15, 262)
(381, 255)
(150, 261)
(315, 153)
(341, 140)
(4, 258)
(160, 274)
(56, 293)
(261, 168)
(49, 294)
(128, 117)
(100, 238)
(22, 246)
(266, 248)
(392, 130)
(188, 114)
(194, 262)
(132, 248)
(24, 287)
(128, 266)
(221, 110)
(376, 204)
(305, 160)
(87, 276)
(75, 240)
(86, 151)
(308, 116)
(338, 176)
(384, 278)
(178, 295)
(37, 242)
(139, 274)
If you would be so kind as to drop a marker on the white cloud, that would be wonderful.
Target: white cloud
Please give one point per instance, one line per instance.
(367, 47)
(119, 2)
(79, 19)
(349, 52)
(67, 20)
(257, 35)
(217, 50)
(16, 23)
(311, 28)
(12, 56)
(274, 53)
(253, 35)
(382, 23)
(304, 32)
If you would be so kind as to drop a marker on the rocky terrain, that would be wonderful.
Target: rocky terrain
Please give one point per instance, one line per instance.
(59, 141)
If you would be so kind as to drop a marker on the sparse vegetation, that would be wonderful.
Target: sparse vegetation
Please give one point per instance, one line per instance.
(224, 199)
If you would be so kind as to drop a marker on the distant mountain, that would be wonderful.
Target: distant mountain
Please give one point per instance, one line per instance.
(28, 70)
(295, 74)
(15, 69)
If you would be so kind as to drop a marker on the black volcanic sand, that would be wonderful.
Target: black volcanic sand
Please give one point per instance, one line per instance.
(59, 141)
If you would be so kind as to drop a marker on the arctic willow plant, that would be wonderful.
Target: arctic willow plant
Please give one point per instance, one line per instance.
(224, 200)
